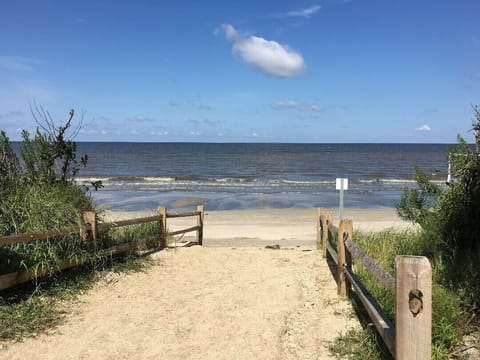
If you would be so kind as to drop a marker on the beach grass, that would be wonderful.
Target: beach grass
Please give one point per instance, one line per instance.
(41, 304)
(449, 316)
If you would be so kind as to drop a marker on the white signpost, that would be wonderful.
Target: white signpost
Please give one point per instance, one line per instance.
(341, 184)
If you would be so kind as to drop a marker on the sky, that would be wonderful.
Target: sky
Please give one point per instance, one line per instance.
(331, 71)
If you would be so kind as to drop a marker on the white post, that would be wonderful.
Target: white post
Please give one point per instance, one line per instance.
(341, 201)
(341, 184)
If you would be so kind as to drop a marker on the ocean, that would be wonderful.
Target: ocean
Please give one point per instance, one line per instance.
(139, 176)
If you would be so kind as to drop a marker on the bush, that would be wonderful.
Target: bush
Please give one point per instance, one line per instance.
(450, 217)
(41, 194)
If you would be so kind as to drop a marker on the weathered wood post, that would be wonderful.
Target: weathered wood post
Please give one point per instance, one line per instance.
(91, 220)
(162, 212)
(345, 229)
(327, 218)
(413, 308)
(92, 233)
(348, 254)
(200, 220)
(319, 242)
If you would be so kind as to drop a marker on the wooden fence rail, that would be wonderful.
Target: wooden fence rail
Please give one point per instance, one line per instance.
(89, 232)
(412, 286)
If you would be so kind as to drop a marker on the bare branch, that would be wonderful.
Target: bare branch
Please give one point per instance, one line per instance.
(43, 118)
(77, 129)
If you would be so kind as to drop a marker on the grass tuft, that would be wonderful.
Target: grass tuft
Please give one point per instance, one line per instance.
(449, 317)
(33, 308)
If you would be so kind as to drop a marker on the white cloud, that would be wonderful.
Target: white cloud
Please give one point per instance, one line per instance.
(424, 127)
(205, 121)
(230, 33)
(159, 133)
(195, 104)
(305, 12)
(195, 133)
(291, 104)
(88, 132)
(140, 119)
(267, 56)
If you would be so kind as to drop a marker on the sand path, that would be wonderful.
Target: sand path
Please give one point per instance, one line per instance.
(204, 303)
(215, 302)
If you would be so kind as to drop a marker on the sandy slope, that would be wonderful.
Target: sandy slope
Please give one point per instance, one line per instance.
(204, 303)
(215, 302)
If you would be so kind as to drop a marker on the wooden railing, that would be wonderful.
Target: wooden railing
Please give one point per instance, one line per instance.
(89, 232)
(412, 286)
(200, 214)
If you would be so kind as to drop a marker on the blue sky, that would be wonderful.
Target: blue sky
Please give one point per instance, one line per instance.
(243, 71)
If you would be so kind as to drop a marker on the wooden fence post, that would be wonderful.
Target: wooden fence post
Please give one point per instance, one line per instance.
(344, 232)
(320, 243)
(413, 308)
(162, 212)
(327, 218)
(200, 220)
(348, 255)
(92, 234)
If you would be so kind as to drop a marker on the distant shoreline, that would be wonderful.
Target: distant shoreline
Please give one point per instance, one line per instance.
(286, 227)
(230, 176)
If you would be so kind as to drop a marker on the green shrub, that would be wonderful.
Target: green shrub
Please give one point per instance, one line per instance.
(450, 217)
(39, 193)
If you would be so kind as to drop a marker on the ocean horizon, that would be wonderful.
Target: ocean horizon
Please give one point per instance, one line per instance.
(228, 176)
(224, 176)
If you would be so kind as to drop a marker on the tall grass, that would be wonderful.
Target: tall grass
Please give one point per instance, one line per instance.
(449, 318)
(38, 193)
(33, 308)
(42, 254)
(40, 305)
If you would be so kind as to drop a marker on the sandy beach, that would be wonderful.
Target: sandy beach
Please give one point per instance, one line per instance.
(259, 227)
(203, 303)
(231, 299)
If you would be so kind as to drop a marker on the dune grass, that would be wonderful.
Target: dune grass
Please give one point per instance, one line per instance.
(41, 304)
(449, 317)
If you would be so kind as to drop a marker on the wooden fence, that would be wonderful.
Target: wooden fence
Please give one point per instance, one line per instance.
(412, 287)
(90, 233)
